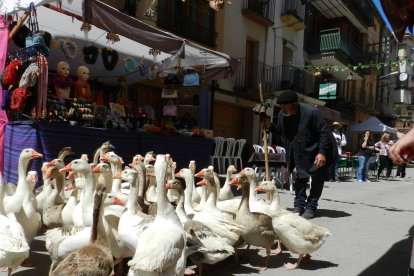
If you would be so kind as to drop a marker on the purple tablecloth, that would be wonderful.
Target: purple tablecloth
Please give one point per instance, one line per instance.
(48, 139)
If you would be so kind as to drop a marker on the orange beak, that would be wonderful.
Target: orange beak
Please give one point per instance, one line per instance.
(119, 202)
(51, 163)
(234, 181)
(259, 188)
(199, 174)
(117, 175)
(168, 186)
(67, 168)
(69, 187)
(96, 169)
(105, 158)
(71, 175)
(202, 182)
(178, 174)
(36, 154)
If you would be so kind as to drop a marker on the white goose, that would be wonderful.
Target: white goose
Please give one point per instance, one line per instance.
(116, 166)
(298, 234)
(195, 197)
(13, 246)
(52, 210)
(70, 204)
(210, 247)
(226, 192)
(13, 204)
(167, 255)
(133, 220)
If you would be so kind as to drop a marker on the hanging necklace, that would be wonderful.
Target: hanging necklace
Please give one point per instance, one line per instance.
(90, 54)
(109, 58)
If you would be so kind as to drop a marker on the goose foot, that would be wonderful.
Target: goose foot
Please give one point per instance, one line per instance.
(189, 272)
(291, 266)
(28, 263)
(278, 249)
(306, 258)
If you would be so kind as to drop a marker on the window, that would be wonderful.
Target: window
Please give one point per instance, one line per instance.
(193, 19)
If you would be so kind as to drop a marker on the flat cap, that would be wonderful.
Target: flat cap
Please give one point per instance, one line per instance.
(287, 97)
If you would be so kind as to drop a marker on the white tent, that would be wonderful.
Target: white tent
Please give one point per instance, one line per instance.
(64, 27)
(373, 124)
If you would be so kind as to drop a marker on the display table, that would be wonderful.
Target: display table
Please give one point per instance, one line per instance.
(48, 139)
(275, 159)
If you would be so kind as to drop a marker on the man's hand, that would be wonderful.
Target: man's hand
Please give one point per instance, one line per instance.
(320, 160)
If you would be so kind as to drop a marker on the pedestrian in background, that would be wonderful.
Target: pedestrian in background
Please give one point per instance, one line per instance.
(310, 147)
(366, 149)
(340, 139)
(383, 146)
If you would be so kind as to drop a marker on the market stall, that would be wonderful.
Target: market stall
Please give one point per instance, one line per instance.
(111, 60)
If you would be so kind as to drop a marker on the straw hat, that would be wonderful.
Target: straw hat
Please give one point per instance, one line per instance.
(336, 125)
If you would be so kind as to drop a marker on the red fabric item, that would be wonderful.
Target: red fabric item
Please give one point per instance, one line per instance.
(12, 74)
(18, 98)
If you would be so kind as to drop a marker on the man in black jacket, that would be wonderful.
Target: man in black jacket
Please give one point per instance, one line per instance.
(310, 147)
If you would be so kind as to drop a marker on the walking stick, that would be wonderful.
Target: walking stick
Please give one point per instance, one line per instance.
(264, 139)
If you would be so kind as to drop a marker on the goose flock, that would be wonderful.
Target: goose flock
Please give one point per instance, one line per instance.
(103, 216)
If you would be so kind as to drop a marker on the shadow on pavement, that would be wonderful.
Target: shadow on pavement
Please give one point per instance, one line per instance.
(331, 213)
(395, 261)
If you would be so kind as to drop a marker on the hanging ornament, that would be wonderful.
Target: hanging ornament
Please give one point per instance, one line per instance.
(86, 27)
(112, 37)
(216, 4)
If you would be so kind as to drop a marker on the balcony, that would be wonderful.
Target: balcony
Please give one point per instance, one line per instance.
(285, 77)
(293, 15)
(359, 12)
(187, 25)
(259, 11)
(336, 50)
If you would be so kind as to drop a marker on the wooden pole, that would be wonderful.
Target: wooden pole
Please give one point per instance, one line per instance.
(264, 139)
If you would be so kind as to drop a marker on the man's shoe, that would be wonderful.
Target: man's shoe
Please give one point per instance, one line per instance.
(298, 211)
(308, 214)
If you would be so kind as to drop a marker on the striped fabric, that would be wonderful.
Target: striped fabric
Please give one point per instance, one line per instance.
(48, 139)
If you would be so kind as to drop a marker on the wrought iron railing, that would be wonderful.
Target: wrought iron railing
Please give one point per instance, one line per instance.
(332, 40)
(251, 73)
(264, 8)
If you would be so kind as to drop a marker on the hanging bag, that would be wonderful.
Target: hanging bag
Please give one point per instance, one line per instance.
(34, 41)
(168, 93)
(191, 79)
(169, 109)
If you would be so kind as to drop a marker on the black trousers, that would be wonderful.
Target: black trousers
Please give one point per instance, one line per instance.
(308, 202)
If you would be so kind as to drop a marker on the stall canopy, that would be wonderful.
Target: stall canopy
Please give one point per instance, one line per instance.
(137, 39)
(373, 124)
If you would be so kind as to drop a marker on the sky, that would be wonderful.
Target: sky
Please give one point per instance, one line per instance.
(378, 5)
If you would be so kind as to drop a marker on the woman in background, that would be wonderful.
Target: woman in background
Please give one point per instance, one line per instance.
(383, 146)
(366, 149)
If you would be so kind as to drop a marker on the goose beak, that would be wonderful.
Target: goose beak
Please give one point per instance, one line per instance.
(51, 164)
(36, 154)
(69, 187)
(178, 174)
(67, 168)
(199, 174)
(168, 186)
(71, 175)
(105, 158)
(119, 202)
(202, 182)
(239, 187)
(234, 181)
(96, 169)
(259, 188)
(117, 175)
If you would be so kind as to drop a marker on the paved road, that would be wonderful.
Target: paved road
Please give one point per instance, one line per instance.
(372, 227)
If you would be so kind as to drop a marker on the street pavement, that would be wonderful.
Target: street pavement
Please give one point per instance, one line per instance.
(371, 225)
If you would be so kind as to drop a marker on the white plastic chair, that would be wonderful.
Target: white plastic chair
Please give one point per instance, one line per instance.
(237, 153)
(280, 150)
(258, 148)
(270, 149)
(215, 158)
(226, 154)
